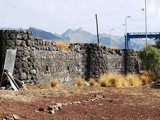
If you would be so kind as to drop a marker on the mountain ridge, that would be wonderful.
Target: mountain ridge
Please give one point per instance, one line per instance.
(82, 36)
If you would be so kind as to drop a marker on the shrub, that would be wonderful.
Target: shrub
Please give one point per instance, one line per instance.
(133, 80)
(79, 81)
(150, 58)
(153, 76)
(62, 45)
(54, 83)
(92, 82)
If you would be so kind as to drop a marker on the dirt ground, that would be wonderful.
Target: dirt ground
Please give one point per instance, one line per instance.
(131, 103)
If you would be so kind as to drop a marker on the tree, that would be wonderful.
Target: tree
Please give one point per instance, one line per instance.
(158, 43)
(150, 57)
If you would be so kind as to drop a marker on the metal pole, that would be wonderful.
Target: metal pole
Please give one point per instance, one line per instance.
(126, 46)
(146, 21)
(110, 35)
(97, 28)
(126, 41)
(126, 32)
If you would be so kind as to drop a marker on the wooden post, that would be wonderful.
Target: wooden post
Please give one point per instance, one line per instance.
(97, 28)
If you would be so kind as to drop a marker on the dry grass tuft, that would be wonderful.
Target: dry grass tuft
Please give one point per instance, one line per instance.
(111, 80)
(54, 83)
(124, 83)
(102, 80)
(92, 82)
(62, 45)
(117, 80)
(79, 81)
(133, 80)
(112, 47)
(145, 79)
(143, 72)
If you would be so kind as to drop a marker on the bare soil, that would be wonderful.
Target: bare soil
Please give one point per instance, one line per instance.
(131, 103)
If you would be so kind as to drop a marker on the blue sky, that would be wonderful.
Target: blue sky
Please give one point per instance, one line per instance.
(59, 15)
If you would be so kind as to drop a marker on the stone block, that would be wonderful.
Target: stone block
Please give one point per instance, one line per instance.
(33, 71)
(19, 36)
(25, 36)
(23, 76)
(12, 36)
(10, 43)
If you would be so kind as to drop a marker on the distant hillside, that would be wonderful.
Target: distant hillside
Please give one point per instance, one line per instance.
(43, 34)
(79, 35)
(82, 36)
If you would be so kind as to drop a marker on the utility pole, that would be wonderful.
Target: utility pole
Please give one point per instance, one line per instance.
(146, 21)
(110, 30)
(126, 41)
(97, 28)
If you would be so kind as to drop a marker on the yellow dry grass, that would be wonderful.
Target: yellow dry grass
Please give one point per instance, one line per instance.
(62, 45)
(145, 73)
(79, 81)
(54, 83)
(112, 47)
(117, 80)
(133, 80)
(92, 82)
(145, 79)
(111, 80)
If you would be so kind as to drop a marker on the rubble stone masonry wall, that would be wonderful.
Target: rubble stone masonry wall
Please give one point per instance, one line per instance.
(39, 60)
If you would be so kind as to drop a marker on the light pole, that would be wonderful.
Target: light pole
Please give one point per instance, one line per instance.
(126, 42)
(146, 21)
(110, 30)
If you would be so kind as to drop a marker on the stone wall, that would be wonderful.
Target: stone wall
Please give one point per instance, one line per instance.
(99, 59)
(40, 60)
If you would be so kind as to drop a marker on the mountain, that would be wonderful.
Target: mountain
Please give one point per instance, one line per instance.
(82, 36)
(79, 36)
(43, 34)
(112, 40)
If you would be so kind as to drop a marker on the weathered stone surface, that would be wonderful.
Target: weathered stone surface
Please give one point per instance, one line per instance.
(19, 42)
(19, 36)
(25, 36)
(12, 36)
(10, 43)
(33, 71)
(38, 59)
(23, 76)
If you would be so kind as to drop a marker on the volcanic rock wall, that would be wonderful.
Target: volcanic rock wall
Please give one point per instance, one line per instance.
(99, 59)
(40, 60)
